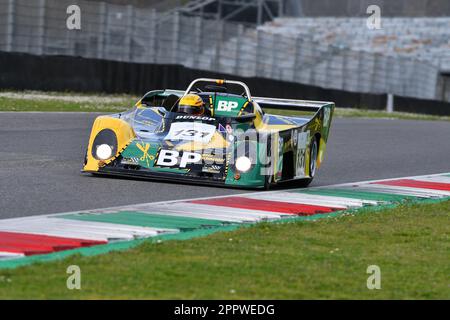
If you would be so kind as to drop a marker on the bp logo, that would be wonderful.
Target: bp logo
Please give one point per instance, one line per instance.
(173, 158)
(227, 105)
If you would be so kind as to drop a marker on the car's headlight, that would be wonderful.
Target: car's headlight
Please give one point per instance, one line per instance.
(243, 164)
(104, 152)
(104, 146)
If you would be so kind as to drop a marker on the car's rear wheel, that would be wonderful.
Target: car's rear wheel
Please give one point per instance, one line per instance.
(313, 153)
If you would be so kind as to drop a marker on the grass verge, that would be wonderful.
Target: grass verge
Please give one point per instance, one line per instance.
(52, 103)
(324, 259)
(62, 102)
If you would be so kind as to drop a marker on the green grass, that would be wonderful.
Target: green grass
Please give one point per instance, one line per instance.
(324, 259)
(66, 101)
(55, 105)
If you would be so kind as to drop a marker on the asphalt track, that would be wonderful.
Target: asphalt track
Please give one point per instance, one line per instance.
(41, 156)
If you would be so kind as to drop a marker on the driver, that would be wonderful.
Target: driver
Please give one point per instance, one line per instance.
(191, 104)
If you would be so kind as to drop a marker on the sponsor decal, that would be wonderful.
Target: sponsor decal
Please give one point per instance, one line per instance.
(131, 160)
(223, 105)
(294, 138)
(213, 168)
(316, 124)
(212, 158)
(187, 117)
(326, 117)
(173, 158)
(302, 139)
(302, 143)
(221, 128)
(280, 158)
(191, 131)
(144, 147)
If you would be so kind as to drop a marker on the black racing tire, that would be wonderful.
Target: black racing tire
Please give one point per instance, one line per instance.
(313, 153)
(85, 158)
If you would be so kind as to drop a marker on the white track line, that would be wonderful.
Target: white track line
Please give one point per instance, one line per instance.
(81, 224)
(415, 192)
(82, 229)
(380, 180)
(73, 234)
(113, 227)
(226, 212)
(6, 255)
(193, 215)
(441, 179)
(393, 191)
(312, 199)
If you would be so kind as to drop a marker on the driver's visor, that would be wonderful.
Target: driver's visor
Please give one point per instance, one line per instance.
(193, 110)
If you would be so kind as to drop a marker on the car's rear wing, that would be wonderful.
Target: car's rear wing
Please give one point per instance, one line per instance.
(318, 118)
(290, 104)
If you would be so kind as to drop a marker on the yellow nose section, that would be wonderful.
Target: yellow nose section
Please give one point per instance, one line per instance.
(124, 134)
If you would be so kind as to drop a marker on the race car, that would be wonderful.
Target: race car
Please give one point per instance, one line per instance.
(214, 133)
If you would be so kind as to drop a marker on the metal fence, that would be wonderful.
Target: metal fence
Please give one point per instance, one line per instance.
(125, 33)
(108, 31)
(305, 61)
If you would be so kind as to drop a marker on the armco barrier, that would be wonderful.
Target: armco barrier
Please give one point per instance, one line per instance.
(413, 105)
(20, 71)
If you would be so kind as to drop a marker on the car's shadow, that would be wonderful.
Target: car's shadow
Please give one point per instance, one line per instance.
(281, 186)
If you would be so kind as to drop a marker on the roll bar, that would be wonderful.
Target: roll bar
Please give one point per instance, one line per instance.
(219, 81)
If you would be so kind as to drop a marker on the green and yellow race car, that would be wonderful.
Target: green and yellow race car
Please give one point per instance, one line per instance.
(214, 132)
